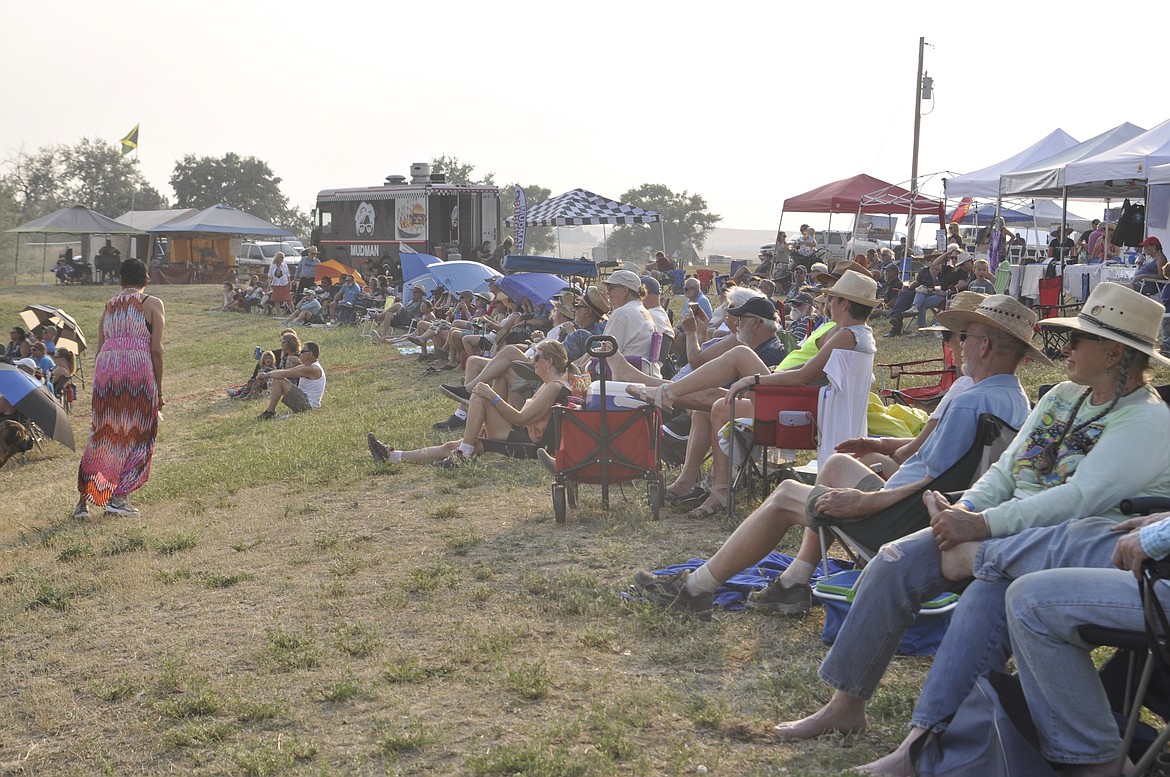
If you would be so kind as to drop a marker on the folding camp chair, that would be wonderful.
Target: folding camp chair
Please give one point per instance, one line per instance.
(992, 437)
(792, 418)
(1051, 304)
(1142, 659)
(942, 370)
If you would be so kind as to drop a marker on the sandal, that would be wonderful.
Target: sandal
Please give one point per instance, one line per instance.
(706, 510)
(696, 493)
(658, 396)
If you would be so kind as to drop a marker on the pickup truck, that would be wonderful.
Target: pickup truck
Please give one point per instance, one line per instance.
(254, 258)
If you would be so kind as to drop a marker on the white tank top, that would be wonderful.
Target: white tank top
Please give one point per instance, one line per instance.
(314, 388)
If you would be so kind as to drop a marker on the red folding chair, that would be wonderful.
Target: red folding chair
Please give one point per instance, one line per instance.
(1051, 304)
(943, 371)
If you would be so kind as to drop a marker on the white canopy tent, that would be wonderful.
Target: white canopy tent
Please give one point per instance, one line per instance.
(1121, 171)
(1160, 174)
(985, 182)
(1046, 178)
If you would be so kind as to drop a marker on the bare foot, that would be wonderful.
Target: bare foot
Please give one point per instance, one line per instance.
(897, 763)
(826, 720)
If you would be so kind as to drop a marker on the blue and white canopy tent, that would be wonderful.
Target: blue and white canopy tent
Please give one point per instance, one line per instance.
(580, 207)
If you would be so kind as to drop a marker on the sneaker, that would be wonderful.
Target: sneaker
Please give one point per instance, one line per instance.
(81, 512)
(458, 393)
(379, 450)
(456, 459)
(446, 367)
(671, 591)
(451, 424)
(782, 600)
(120, 506)
(267, 415)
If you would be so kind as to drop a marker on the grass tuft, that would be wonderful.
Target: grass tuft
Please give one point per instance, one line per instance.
(287, 651)
(177, 543)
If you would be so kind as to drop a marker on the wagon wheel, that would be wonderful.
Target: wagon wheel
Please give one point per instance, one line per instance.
(560, 509)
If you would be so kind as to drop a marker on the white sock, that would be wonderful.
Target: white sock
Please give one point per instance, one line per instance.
(461, 413)
(395, 457)
(798, 573)
(701, 581)
(467, 450)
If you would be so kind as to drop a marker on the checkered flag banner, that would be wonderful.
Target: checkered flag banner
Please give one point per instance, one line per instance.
(519, 214)
(579, 207)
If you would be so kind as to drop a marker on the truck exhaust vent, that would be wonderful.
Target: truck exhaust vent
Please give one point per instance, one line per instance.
(395, 180)
(420, 172)
(438, 178)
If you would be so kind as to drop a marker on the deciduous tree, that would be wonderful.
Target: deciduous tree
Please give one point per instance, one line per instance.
(92, 173)
(686, 223)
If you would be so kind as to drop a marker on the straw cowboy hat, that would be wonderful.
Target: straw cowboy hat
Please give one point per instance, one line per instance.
(563, 309)
(855, 287)
(1003, 313)
(831, 277)
(1118, 313)
(964, 300)
(596, 300)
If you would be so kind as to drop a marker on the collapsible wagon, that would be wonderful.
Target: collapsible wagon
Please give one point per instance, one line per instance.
(604, 444)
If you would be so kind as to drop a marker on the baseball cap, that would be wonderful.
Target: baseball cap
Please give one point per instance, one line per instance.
(1151, 241)
(760, 307)
(26, 362)
(625, 278)
(652, 286)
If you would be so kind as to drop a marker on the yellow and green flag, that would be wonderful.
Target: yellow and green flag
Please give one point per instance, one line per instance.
(130, 142)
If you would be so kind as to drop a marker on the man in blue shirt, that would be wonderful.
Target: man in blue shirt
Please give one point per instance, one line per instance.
(848, 489)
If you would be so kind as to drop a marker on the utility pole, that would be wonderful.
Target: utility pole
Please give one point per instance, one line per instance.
(917, 128)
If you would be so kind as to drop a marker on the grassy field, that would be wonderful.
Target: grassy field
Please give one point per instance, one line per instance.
(285, 606)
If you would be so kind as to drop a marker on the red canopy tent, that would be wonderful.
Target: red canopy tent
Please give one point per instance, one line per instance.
(862, 194)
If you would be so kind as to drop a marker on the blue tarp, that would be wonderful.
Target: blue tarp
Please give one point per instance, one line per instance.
(550, 264)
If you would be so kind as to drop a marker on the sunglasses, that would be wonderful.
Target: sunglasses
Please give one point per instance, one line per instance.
(1076, 338)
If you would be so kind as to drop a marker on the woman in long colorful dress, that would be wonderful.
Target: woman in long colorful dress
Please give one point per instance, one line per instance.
(127, 397)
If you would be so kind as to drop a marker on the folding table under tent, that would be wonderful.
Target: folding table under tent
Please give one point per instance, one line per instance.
(580, 207)
(74, 220)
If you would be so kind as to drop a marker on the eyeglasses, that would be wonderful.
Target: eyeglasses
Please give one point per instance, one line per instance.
(964, 335)
(1076, 338)
(306, 351)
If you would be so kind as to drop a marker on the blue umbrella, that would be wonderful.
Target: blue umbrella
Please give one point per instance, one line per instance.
(461, 275)
(31, 399)
(537, 287)
(416, 265)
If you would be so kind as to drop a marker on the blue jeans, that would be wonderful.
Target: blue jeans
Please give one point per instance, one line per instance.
(925, 301)
(977, 640)
(904, 574)
(1065, 696)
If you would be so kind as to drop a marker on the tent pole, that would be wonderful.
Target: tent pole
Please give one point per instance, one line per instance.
(1063, 227)
(44, 255)
(16, 260)
(559, 254)
(662, 231)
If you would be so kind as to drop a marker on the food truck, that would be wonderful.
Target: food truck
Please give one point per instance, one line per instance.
(368, 227)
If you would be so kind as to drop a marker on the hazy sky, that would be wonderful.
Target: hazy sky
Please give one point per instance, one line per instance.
(743, 103)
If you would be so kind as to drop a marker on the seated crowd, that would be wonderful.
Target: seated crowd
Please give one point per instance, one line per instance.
(1049, 503)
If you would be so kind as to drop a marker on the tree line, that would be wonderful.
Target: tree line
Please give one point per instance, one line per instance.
(96, 174)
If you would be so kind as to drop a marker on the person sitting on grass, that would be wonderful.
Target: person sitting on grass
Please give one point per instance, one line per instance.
(259, 380)
(490, 416)
(307, 394)
(308, 310)
(996, 336)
